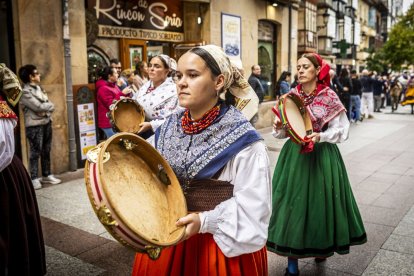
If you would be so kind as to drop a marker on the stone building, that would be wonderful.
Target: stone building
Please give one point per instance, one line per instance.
(66, 40)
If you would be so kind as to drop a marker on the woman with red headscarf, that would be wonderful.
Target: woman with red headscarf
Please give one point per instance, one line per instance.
(314, 210)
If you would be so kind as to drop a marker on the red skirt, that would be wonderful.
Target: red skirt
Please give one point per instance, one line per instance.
(200, 255)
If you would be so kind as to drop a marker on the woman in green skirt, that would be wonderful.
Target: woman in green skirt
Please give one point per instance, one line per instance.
(314, 210)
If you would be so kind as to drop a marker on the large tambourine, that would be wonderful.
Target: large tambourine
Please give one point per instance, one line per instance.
(135, 193)
(126, 115)
(295, 118)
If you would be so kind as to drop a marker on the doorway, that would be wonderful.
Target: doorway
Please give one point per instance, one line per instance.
(267, 56)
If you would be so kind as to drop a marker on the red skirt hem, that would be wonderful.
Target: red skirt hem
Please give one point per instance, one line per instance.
(200, 255)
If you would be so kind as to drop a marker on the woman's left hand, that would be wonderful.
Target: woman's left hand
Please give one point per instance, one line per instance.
(192, 223)
(315, 137)
(144, 127)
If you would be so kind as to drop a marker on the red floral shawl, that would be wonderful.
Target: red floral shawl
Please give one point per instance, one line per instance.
(325, 106)
(5, 110)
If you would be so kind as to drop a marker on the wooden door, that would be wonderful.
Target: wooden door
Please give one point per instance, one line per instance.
(131, 51)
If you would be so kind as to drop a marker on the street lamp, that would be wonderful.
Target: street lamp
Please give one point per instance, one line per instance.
(325, 17)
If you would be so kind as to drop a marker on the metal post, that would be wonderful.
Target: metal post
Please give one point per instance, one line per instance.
(69, 92)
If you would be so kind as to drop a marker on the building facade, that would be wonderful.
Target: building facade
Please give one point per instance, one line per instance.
(68, 40)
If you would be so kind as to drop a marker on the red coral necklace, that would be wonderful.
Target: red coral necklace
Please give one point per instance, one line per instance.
(308, 98)
(191, 126)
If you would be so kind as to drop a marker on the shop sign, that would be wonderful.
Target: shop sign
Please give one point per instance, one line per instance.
(138, 18)
(112, 31)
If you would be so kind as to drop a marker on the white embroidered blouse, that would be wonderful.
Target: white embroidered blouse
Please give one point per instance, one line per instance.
(158, 103)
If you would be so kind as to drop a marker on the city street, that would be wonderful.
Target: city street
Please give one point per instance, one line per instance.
(379, 156)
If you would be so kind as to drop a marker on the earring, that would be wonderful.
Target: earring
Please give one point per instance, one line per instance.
(217, 93)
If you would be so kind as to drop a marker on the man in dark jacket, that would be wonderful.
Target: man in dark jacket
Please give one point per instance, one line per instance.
(254, 81)
(378, 87)
(335, 85)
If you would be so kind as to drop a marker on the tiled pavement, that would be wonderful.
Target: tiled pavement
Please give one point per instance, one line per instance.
(379, 156)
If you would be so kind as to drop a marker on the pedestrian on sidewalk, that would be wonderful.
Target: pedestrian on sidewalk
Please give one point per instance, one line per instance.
(355, 97)
(314, 210)
(378, 88)
(211, 141)
(22, 249)
(283, 84)
(347, 90)
(38, 111)
(367, 98)
(395, 92)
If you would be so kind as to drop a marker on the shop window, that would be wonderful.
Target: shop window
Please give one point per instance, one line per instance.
(266, 56)
(96, 60)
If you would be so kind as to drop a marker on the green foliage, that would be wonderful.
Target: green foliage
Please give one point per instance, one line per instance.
(377, 61)
(399, 49)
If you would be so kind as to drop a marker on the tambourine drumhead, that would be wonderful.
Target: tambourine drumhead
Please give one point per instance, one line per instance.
(127, 115)
(295, 117)
(133, 183)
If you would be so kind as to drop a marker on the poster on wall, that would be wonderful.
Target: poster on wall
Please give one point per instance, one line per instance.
(231, 34)
(87, 132)
(135, 55)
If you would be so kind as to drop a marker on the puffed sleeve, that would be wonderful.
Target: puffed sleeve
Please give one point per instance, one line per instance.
(239, 225)
(6, 142)
(338, 129)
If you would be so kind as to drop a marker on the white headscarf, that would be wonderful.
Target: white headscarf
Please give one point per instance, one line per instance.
(172, 64)
(246, 99)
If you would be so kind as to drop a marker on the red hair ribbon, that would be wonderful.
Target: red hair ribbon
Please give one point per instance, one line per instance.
(324, 72)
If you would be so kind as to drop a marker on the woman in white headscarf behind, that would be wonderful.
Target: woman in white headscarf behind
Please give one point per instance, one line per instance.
(158, 96)
(212, 142)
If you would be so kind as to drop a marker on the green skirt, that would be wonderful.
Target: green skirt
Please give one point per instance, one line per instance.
(314, 210)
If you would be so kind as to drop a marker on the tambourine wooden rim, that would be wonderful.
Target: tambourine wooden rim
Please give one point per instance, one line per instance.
(304, 114)
(152, 153)
(131, 127)
(154, 175)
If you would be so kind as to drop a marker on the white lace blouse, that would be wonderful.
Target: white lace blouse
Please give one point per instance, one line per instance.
(158, 103)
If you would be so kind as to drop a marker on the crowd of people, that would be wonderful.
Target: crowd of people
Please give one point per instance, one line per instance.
(188, 102)
(307, 210)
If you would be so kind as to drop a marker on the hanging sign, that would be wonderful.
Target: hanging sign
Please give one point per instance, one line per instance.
(139, 19)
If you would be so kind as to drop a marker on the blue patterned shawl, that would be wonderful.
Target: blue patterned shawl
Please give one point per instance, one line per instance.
(202, 155)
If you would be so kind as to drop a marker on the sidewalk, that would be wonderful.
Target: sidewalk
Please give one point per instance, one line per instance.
(380, 160)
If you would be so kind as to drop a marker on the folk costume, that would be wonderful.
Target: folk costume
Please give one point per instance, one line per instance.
(409, 93)
(223, 170)
(159, 102)
(314, 210)
(22, 250)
